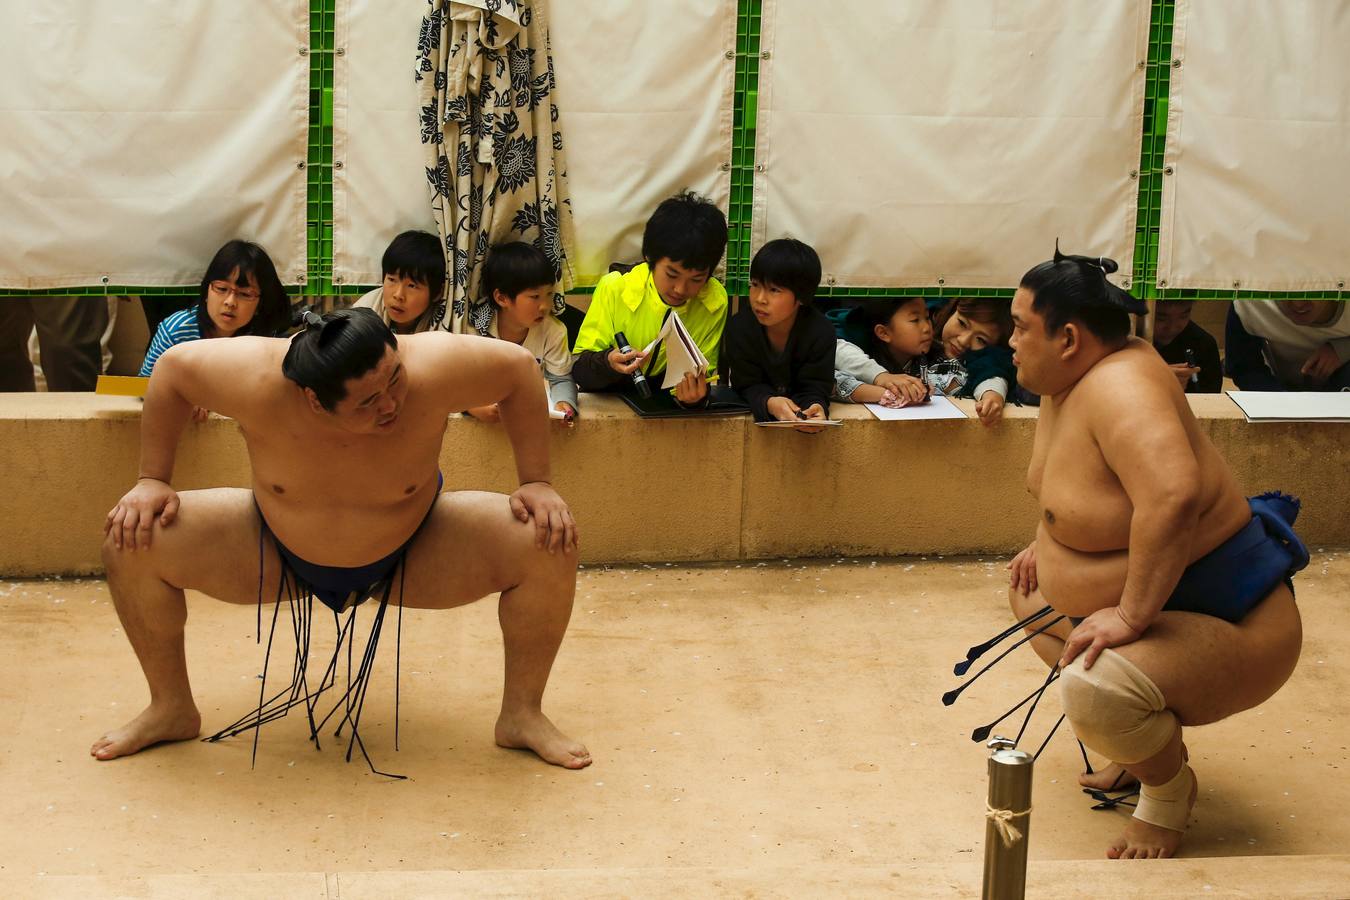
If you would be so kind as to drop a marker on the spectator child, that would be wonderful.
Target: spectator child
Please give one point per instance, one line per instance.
(884, 350)
(517, 306)
(779, 347)
(1174, 334)
(974, 344)
(681, 245)
(1288, 345)
(412, 297)
(240, 294)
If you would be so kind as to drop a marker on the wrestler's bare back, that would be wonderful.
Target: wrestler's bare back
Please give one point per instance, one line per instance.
(1083, 533)
(332, 496)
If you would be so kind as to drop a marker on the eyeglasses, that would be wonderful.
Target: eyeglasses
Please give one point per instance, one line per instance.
(243, 295)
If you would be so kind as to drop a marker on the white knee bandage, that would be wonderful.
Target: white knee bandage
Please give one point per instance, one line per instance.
(1116, 709)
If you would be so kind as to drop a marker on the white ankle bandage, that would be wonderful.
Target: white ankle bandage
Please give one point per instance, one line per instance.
(1167, 805)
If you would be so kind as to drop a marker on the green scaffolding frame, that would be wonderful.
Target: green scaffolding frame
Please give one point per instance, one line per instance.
(319, 171)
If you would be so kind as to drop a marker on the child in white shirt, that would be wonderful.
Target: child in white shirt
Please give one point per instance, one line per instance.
(518, 283)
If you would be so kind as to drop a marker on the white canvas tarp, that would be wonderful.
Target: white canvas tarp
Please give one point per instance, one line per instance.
(1258, 141)
(139, 137)
(645, 91)
(381, 187)
(934, 141)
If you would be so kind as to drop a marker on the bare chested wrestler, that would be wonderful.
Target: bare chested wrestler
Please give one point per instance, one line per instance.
(1177, 587)
(343, 425)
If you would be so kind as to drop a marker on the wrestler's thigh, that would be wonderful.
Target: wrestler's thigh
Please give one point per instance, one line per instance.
(212, 547)
(470, 547)
(1209, 669)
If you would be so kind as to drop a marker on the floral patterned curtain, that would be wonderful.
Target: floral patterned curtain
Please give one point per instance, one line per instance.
(493, 153)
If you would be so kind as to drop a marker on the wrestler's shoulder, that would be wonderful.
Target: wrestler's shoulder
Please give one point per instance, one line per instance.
(242, 354)
(437, 346)
(435, 339)
(1128, 373)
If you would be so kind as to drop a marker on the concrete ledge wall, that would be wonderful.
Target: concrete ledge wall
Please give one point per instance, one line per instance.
(666, 489)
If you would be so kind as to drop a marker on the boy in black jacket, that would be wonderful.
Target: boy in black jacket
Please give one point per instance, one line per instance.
(1174, 334)
(779, 347)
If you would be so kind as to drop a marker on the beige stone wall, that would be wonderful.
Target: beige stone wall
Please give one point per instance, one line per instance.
(667, 489)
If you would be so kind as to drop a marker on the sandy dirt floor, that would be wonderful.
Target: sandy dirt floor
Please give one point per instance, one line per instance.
(762, 729)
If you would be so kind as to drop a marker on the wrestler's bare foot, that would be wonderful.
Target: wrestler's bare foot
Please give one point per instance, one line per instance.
(534, 731)
(1113, 778)
(1144, 841)
(155, 725)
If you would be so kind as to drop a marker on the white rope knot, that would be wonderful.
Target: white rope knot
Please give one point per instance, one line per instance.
(1002, 819)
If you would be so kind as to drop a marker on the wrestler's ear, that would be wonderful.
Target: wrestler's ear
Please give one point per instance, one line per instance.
(314, 403)
(1072, 341)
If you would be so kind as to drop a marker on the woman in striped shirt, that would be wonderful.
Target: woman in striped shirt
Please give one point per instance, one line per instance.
(240, 294)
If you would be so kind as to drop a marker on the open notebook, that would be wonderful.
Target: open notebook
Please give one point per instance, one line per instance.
(682, 354)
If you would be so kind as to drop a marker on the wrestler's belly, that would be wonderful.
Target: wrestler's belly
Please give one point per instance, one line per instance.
(345, 534)
(1077, 583)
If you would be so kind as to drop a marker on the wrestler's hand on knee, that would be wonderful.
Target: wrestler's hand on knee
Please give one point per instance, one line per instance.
(1104, 629)
(130, 521)
(1023, 566)
(554, 527)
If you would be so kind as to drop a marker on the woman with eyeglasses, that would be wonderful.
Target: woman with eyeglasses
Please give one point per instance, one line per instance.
(240, 294)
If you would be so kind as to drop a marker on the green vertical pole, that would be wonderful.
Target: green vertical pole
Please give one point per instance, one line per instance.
(1154, 145)
(743, 146)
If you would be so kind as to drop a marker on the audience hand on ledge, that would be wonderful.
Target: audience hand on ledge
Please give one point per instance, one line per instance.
(905, 387)
(785, 410)
(989, 408)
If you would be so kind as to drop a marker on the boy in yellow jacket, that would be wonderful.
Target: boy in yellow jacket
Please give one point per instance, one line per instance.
(681, 245)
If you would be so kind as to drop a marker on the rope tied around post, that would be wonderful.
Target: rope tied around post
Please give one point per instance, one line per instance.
(1002, 819)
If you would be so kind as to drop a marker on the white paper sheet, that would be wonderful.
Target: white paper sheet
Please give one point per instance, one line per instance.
(1293, 406)
(938, 407)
